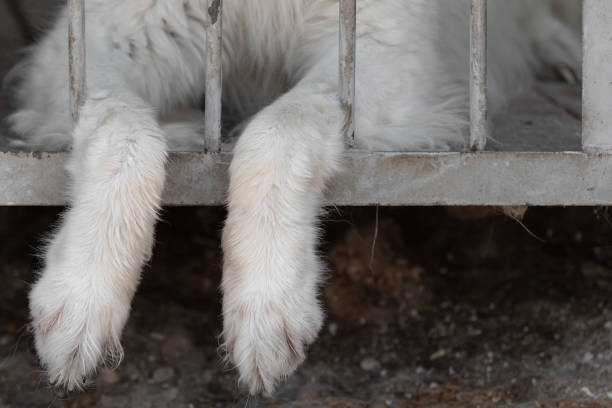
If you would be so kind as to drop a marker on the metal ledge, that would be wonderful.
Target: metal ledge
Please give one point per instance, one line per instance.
(384, 178)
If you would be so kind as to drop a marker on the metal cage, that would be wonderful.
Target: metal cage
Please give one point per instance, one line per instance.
(478, 177)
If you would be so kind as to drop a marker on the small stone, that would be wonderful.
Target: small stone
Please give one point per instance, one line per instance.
(588, 357)
(472, 331)
(170, 394)
(157, 336)
(333, 328)
(438, 354)
(109, 377)
(207, 376)
(588, 393)
(113, 401)
(134, 374)
(369, 364)
(162, 375)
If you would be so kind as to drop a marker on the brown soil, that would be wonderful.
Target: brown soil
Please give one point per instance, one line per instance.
(453, 309)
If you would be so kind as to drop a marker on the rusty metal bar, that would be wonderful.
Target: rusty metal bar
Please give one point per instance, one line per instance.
(214, 77)
(597, 77)
(348, 26)
(478, 75)
(76, 55)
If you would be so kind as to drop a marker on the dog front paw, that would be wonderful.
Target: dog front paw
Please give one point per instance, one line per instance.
(266, 337)
(76, 327)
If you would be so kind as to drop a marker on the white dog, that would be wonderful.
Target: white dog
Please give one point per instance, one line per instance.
(146, 58)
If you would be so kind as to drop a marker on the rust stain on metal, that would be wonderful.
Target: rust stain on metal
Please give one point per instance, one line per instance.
(214, 77)
(346, 62)
(213, 11)
(76, 55)
(348, 119)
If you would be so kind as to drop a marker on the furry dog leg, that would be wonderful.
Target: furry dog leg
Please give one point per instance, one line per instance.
(81, 300)
(271, 271)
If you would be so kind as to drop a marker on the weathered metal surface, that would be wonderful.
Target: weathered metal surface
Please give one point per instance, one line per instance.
(488, 178)
(597, 76)
(348, 25)
(478, 74)
(214, 76)
(76, 55)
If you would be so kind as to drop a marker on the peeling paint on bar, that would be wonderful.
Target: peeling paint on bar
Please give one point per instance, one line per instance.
(214, 76)
(478, 75)
(348, 25)
(76, 55)
(597, 77)
(369, 178)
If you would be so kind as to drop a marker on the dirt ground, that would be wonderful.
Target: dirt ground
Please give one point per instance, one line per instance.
(442, 309)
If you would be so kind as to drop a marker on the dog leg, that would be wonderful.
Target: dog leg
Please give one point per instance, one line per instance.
(271, 271)
(82, 298)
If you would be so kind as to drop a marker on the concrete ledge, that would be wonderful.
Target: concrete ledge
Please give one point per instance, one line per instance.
(384, 178)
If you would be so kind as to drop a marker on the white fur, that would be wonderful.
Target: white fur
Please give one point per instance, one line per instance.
(82, 299)
(146, 58)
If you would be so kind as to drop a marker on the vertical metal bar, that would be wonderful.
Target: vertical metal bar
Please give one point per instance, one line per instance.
(76, 55)
(478, 74)
(214, 77)
(348, 26)
(597, 77)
